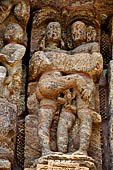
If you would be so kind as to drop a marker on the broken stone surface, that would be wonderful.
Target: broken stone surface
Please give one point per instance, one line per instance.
(55, 161)
(8, 114)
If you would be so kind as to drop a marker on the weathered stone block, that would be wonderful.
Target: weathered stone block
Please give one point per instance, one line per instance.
(32, 146)
(66, 162)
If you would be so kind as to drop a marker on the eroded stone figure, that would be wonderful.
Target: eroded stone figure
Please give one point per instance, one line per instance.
(79, 69)
(12, 50)
(7, 122)
(48, 104)
(86, 109)
(11, 57)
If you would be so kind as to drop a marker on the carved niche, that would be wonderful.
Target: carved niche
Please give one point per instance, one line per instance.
(63, 94)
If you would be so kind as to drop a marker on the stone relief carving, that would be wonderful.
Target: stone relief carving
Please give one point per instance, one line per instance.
(64, 81)
(12, 50)
(69, 79)
(11, 57)
(85, 105)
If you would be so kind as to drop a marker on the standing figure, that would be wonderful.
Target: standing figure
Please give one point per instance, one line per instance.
(49, 68)
(86, 109)
(50, 85)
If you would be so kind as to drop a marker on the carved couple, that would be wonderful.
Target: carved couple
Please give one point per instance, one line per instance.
(72, 75)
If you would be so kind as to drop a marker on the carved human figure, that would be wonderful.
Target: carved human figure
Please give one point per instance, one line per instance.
(86, 109)
(51, 65)
(48, 104)
(11, 57)
(12, 40)
(54, 82)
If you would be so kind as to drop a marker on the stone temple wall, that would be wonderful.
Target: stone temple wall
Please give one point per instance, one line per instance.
(56, 87)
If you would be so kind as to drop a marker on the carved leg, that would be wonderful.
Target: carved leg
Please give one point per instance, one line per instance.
(85, 133)
(66, 122)
(45, 118)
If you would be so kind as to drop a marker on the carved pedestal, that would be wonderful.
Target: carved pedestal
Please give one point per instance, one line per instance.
(66, 162)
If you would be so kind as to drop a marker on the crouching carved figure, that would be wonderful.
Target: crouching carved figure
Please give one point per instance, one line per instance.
(72, 74)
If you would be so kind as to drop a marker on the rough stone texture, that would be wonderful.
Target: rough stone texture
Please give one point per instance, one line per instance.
(32, 146)
(66, 98)
(5, 165)
(32, 153)
(8, 113)
(103, 6)
(14, 16)
(111, 109)
(66, 162)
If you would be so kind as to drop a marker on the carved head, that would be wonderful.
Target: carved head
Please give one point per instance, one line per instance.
(78, 30)
(91, 34)
(53, 33)
(3, 72)
(14, 33)
(5, 8)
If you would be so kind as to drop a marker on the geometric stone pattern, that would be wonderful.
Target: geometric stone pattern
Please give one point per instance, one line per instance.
(5, 165)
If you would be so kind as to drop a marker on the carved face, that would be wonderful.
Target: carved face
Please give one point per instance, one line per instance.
(91, 34)
(5, 8)
(78, 31)
(53, 33)
(2, 74)
(14, 33)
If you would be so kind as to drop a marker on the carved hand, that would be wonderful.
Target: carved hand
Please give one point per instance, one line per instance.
(86, 93)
